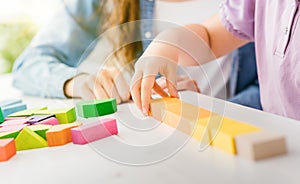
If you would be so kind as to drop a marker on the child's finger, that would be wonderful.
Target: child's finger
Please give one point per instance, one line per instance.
(135, 87)
(146, 88)
(172, 89)
(159, 90)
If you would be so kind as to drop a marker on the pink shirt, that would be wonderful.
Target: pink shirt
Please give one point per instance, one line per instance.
(274, 25)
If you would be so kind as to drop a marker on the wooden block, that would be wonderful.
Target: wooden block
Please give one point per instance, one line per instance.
(223, 132)
(63, 115)
(94, 131)
(14, 118)
(5, 135)
(50, 121)
(7, 149)
(7, 110)
(95, 108)
(1, 116)
(12, 128)
(38, 118)
(28, 139)
(260, 145)
(182, 116)
(40, 129)
(15, 122)
(59, 135)
(28, 112)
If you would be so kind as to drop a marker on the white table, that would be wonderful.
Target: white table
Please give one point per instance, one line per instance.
(171, 156)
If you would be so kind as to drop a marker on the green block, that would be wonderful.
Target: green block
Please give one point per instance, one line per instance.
(28, 139)
(5, 135)
(40, 129)
(95, 108)
(1, 116)
(27, 112)
(64, 115)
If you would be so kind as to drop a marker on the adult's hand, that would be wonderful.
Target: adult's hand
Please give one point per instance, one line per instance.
(108, 83)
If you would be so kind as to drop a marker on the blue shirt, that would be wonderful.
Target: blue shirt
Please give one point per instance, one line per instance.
(56, 51)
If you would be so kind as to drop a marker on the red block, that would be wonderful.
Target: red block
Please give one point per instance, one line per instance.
(7, 149)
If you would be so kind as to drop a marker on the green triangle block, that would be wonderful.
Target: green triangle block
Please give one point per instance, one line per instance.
(5, 135)
(27, 112)
(40, 129)
(63, 115)
(1, 116)
(28, 139)
(95, 108)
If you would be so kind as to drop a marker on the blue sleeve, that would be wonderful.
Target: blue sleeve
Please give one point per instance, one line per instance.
(56, 51)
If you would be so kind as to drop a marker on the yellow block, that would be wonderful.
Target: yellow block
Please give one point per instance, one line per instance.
(223, 131)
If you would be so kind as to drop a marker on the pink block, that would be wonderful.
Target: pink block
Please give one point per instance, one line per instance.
(49, 121)
(12, 128)
(94, 131)
(14, 118)
(15, 122)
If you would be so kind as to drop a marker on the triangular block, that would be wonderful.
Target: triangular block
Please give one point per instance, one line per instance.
(28, 139)
(40, 129)
(64, 115)
(5, 135)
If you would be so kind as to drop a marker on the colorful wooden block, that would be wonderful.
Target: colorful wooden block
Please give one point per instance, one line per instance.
(9, 102)
(95, 108)
(63, 115)
(94, 131)
(7, 149)
(38, 118)
(40, 129)
(28, 112)
(7, 110)
(182, 116)
(260, 145)
(28, 139)
(59, 135)
(50, 121)
(15, 122)
(14, 118)
(1, 116)
(12, 128)
(5, 135)
(223, 132)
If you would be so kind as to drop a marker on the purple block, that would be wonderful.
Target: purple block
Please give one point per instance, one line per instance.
(39, 118)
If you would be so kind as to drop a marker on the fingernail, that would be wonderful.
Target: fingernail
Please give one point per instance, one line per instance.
(145, 111)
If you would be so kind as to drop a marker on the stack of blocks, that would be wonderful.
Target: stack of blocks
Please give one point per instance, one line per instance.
(41, 127)
(222, 132)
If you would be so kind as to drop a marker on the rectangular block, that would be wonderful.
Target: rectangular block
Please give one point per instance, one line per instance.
(28, 139)
(59, 135)
(223, 132)
(38, 118)
(28, 112)
(5, 135)
(63, 115)
(95, 108)
(261, 145)
(50, 121)
(94, 131)
(12, 128)
(14, 118)
(7, 149)
(40, 129)
(15, 122)
(7, 110)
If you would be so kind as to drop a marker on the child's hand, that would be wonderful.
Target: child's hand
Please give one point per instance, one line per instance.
(109, 83)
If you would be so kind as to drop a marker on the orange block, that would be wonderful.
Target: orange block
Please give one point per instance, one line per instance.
(60, 134)
(7, 149)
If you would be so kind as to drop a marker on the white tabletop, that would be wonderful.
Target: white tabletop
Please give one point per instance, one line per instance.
(146, 151)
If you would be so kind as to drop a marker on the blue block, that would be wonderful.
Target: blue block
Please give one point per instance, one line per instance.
(7, 110)
(9, 102)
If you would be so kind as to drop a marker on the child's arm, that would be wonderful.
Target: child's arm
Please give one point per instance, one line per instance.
(194, 44)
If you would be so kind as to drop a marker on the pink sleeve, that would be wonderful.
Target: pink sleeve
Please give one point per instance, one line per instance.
(238, 17)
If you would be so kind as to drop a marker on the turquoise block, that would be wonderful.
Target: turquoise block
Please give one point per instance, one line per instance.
(7, 110)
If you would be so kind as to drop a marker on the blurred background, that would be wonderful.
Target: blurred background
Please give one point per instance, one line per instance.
(19, 22)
